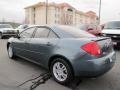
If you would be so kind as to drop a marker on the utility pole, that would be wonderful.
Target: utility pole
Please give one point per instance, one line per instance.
(46, 11)
(99, 11)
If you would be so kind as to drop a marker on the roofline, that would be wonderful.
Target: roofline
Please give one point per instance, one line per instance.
(59, 5)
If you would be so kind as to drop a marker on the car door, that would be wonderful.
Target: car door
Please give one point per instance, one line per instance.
(21, 44)
(42, 44)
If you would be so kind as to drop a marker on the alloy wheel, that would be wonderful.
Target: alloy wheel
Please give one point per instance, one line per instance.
(60, 71)
(10, 52)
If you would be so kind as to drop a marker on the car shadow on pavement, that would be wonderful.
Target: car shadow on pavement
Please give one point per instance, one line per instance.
(30, 64)
(39, 70)
(102, 83)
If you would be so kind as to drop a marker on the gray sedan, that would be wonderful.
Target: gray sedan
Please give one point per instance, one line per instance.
(65, 51)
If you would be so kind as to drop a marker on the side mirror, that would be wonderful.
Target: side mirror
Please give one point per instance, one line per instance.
(17, 31)
(17, 35)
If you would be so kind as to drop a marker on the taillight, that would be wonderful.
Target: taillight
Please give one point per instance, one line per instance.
(92, 48)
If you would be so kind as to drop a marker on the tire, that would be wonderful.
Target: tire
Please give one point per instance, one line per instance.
(61, 71)
(1, 36)
(118, 46)
(10, 52)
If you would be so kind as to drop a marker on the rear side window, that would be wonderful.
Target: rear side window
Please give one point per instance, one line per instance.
(75, 32)
(42, 33)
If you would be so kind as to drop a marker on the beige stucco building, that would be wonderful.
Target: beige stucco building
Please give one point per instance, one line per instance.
(62, 13)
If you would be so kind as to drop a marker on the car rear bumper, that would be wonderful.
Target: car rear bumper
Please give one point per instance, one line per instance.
(96, 67)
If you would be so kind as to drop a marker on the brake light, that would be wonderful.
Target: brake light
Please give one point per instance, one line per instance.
(92, 48)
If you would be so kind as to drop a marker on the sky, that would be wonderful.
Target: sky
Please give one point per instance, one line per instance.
(13, 10)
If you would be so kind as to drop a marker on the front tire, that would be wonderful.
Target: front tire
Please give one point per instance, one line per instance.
(61, 71)
(10, 52)
(1, 36)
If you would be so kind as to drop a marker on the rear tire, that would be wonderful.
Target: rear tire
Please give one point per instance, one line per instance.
(61, 71)
(118, 45)
(10, 52)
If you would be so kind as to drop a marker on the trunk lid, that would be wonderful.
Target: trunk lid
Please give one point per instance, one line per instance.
(105, 44)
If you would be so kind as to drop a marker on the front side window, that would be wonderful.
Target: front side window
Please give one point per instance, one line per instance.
(52, 35)
(42, 33)
(27, 33)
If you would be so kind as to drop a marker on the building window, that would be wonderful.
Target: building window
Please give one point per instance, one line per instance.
(70, 10)
(27, 17)
(55, 21)
(81, 21)
(55, 15)
(34, 14)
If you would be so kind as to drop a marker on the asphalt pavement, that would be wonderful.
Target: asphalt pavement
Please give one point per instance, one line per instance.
(15, 72)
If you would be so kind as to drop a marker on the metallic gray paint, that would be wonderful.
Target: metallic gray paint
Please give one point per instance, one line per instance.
(41, 50)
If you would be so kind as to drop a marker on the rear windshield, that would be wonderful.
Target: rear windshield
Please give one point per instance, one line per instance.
(87, 26)
(113, 25)
(83, 27)
(75, 32)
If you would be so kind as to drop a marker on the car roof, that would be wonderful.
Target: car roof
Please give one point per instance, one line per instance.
(38, 25)
(56, 28)
(47, 25)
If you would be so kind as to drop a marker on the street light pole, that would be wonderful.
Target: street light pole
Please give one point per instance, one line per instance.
(99, 11)
(46, 11)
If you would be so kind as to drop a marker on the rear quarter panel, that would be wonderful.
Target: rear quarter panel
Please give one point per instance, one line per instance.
(71, 49)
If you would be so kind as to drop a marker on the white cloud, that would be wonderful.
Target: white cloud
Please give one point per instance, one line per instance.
(110, 10)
